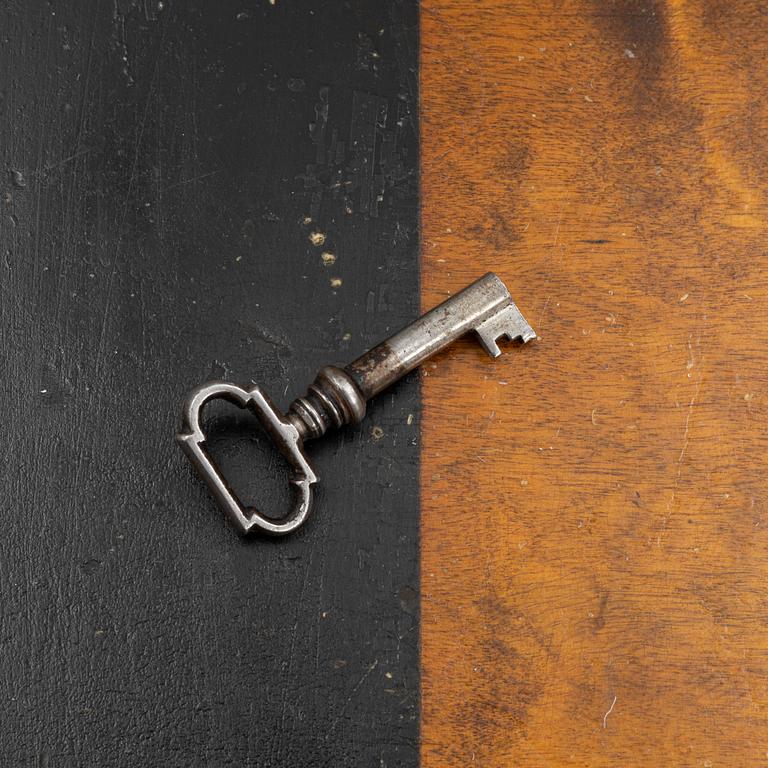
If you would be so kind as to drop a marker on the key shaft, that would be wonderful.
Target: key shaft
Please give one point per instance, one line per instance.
(338, 396)
(468, 310)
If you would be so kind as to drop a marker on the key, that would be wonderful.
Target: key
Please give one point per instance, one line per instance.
(338, 396)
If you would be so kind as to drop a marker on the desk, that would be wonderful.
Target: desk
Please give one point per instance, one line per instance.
(594, 534)
(191, 191)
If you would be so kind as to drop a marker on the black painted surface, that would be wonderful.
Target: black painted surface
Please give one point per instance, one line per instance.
(159, 163)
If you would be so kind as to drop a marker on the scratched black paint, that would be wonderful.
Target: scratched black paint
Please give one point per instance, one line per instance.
(160, 164)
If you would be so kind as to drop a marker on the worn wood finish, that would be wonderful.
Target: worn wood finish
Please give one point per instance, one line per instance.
(594, 533)
(195, 190)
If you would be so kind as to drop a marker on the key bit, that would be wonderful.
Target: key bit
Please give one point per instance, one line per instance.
(338, 395)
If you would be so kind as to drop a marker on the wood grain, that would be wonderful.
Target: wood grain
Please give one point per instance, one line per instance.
(594, 532)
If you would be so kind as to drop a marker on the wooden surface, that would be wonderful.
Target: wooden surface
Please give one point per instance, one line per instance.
(594, 528)
(164, 170)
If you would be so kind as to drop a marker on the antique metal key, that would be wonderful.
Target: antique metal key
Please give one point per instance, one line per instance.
(338, 395)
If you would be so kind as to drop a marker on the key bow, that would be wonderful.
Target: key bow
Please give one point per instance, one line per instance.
(283, 434)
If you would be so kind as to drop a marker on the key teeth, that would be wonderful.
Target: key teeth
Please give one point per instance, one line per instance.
(489, 344)
(507, 322)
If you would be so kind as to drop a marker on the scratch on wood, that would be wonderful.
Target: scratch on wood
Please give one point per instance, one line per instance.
(610, 709)
(351, 696)
(358, 172)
